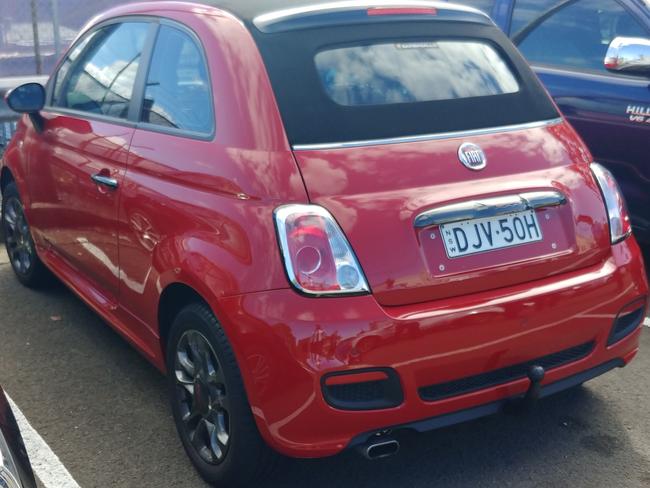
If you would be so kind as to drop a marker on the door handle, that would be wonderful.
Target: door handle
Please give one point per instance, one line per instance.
(102, 179)
(490, 207)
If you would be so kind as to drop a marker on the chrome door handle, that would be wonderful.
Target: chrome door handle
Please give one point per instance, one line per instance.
(101, 179)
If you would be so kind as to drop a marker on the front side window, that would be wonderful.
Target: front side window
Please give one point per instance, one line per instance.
(101, 80)
(409, 72)
(177, 94)
(574, 34)
(69, 60)
(526, 12)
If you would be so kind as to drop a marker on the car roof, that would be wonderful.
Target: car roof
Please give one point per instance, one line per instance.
(273, 16)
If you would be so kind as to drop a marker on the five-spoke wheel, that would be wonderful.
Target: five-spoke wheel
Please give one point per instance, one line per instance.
(18, 240)
(209, 402)
(202, 396)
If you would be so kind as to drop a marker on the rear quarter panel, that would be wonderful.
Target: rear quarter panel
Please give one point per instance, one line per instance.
(200, 212)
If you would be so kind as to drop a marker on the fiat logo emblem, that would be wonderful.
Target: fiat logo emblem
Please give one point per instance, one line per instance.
(472, 156)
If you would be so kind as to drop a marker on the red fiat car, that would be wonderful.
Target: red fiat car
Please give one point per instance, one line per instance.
(326, 222)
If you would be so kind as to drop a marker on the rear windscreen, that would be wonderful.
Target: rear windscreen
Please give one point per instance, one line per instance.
(410, 72)
(347, 83)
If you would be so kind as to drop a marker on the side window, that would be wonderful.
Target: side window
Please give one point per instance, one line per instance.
(177, 94)
(482, 5)
(528, 11)
(64, 69)
(575, 34)
(100, 80)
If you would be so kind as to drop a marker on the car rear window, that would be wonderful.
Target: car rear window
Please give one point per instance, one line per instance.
(398, 78)
(410, 72)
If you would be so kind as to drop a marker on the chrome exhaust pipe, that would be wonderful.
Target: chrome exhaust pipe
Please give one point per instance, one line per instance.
(380, 448)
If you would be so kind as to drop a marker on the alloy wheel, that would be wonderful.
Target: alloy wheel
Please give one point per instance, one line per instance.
(18, 240)
(202, 397)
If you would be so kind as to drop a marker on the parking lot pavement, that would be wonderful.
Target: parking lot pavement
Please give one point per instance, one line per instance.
(102, 410)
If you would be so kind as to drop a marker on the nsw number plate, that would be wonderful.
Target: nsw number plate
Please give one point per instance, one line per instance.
(481, 235)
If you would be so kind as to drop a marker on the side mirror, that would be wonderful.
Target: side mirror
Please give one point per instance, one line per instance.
(28, 99)
(629, 55)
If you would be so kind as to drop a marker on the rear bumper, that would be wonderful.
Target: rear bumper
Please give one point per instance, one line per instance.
(473, 413)
(286, 344)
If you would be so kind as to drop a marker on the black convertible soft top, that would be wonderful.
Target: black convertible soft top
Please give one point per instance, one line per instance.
(247, 10)
(289, 43)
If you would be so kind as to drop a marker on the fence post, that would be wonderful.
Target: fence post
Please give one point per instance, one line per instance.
(57, 28)
(37, 43)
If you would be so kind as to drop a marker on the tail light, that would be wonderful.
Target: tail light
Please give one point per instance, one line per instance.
(619, 218)
(317, 256)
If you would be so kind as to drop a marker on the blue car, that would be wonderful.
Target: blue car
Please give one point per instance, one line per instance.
(606, 99)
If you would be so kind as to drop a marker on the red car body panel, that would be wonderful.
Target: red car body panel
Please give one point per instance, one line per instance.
(376, 192)
(286, 352)
(199, 214)
(67, 154)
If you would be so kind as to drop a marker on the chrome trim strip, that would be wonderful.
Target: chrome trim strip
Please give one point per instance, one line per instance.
(543, 199)
(427, 137)
(489, 207)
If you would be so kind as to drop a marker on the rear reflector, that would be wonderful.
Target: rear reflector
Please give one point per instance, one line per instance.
(402, 11)
(346, 379)
(628, 320)
(363, 389)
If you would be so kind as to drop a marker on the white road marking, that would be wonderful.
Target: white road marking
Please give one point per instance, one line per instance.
(647, 322)
(45, 463)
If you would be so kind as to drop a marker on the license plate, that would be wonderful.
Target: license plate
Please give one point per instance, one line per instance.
(489, 234)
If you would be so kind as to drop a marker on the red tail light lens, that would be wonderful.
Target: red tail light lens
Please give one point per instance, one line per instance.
(317, 256)
(620, 226)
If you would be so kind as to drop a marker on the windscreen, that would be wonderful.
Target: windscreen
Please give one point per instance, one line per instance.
(411, 72)
(350, 83)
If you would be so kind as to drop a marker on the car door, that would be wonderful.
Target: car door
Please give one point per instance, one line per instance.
(171, 165)
(566, 42)
(80, 160)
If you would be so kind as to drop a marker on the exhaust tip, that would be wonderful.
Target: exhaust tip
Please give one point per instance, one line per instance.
(381, 449)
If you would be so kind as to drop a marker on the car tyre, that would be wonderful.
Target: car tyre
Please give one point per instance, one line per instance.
(27, 266)
(209, 402)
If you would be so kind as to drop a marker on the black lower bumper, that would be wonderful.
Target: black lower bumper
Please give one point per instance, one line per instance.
(489, 408)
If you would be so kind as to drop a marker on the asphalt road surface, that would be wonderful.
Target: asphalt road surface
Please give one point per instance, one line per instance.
(103, 412)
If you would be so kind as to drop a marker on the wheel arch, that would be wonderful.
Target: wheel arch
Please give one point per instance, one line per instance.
(173, 299)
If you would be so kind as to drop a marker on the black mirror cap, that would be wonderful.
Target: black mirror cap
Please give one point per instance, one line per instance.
(26, 99)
